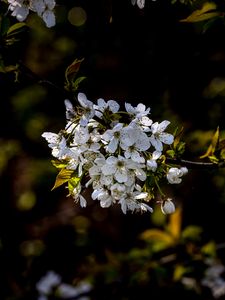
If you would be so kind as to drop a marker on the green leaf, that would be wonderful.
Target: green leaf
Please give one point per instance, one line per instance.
(72, 70)
(63, 177)
(209, 249)
(171, 153)
(213, 146)
(72, 183)
(4, 25)
(192, 233)
(208, 11)
(58, 164)
(77, 83)
(15, 28)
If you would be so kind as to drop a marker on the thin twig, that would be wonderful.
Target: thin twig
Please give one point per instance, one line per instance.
(196, 164)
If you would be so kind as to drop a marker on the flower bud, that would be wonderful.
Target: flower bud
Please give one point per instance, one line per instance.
(167, 206)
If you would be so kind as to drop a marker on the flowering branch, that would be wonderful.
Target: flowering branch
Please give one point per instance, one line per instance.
(119, 154)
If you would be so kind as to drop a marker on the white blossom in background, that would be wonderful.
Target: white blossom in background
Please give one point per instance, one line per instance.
(51, 284)
(118, 154)
(44, 9)
(140, 3)
(214, 280)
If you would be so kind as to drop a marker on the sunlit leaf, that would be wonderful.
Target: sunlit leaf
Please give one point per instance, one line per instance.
(58, 164)
(73, 68)
(150, 235)
(15, 28)
(214, 144)
(72, 183)
(179, 271)
(63, 176)
(174, 225)
(208, 11)
(192, 233)
(209, 249)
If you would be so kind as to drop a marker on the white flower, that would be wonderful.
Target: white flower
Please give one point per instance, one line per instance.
(118, 190)
(118, 167)
(139, 111)
(88, 107)
(111, 105)
(174, 174)
(44, 9)
(113, 137)
(140, 3)
(46, 283)
(130, 202)
(58, 145)
(167, 206)
(140, 142)
(19, 9)
(78, 197)
(103, 196)
(151, 163)
(159, 137)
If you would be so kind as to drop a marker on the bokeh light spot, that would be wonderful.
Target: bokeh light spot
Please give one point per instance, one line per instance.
(77, 16)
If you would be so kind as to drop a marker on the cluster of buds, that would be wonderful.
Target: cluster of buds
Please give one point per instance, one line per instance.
(118, 154)
(44, 9)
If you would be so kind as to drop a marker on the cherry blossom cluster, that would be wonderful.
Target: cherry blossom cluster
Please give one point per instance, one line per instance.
(118, 154)
(44, 9)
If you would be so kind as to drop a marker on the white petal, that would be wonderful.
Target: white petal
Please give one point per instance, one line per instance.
(129, 107)
(146, 121)
(121, 175)
(135, 156)
(156, 154)
(141, 196)
(49, 18)
(106, 180)
(83, 202)
(52, 138)
(82, 99)
(108, 170)
(141, 3)
(140, 174)
(21, 13)
(163, 125)
(166, 138)
(152, 165)
(94, 171)
(143, 142)
(101, 104)
(112, 146)
(50, 4)
(113, 105)
(141, 107)
(106, 203)
(38, 6)
(156, 143)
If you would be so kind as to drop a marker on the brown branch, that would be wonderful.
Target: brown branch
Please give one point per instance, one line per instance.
(196, 164)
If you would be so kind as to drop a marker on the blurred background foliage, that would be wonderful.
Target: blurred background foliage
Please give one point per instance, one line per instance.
(126, 54)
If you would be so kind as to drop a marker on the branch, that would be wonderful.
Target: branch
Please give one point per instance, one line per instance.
(29, 72)
(196, 164)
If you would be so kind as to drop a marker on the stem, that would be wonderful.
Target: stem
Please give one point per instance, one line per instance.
(40, 80)
(196, 164)
(159, 189)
